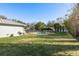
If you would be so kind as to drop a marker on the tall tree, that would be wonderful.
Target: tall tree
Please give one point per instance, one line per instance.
(40, 25)
(50, 24)
(57, 27)
(72, 23)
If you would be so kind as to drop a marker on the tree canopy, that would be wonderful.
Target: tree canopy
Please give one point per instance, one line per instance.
(72, 22)
(3, 17)
(40, 25)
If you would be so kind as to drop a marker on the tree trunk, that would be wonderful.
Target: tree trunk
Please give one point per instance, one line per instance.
(77, 38)
(77, 35)
(63, 29)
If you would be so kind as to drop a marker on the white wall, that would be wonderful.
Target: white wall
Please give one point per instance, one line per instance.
(8, 30)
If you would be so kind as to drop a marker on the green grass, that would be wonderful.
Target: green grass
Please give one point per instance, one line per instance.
(39, 45)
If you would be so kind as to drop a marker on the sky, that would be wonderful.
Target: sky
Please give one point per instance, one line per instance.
(34, 12)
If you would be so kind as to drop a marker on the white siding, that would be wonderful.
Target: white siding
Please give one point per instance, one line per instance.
(8, 30)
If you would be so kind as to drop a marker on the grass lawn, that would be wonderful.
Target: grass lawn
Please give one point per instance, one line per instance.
(39, 45)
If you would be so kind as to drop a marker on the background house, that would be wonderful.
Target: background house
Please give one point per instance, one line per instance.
(11, 28)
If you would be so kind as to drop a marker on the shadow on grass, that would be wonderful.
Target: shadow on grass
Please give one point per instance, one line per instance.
(52, 37)
(74, 41)
(34, 49)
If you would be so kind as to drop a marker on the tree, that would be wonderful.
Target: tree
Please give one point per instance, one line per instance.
(3, 17)
(60, 25)
(57, 27)
(50, 24)
(28, 26)
(62, 28)
(72, 22)
(32, 26)
(68, 26)
(40, 25)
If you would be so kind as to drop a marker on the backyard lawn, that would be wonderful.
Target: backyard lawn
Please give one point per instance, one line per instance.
(56, 44)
